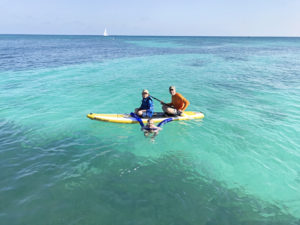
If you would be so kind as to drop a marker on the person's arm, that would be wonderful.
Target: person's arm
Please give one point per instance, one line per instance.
(141, 108)
(138, 119)
(170, 104)
(185, 101)
(151, 107)
(164, 122)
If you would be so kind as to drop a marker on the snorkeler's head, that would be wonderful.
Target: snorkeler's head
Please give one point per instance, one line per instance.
(150, 121)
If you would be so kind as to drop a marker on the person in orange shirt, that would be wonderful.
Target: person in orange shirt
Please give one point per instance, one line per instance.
(178, 104)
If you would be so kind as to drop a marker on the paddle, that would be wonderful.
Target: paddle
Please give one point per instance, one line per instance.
(162, 102)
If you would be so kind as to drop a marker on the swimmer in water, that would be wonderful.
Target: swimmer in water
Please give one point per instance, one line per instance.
(150, 128)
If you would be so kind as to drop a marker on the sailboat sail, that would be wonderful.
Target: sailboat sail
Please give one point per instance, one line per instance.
(105, 32)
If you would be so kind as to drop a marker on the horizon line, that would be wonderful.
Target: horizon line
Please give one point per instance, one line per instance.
(137, 35)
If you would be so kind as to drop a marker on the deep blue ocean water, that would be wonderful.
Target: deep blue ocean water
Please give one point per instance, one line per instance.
(239, 165)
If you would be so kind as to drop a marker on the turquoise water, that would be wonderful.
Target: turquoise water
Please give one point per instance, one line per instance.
(239, 165)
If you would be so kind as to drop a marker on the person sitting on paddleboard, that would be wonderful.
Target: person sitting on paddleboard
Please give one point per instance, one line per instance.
(178, 104)
(146, 109)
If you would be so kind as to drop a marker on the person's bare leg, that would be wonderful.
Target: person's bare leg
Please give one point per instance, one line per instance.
(169, 110)
(139, 113)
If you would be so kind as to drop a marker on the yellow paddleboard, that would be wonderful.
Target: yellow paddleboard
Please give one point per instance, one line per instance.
(157, 117)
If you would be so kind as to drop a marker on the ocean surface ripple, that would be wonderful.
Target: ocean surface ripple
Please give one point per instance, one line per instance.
(239, 165)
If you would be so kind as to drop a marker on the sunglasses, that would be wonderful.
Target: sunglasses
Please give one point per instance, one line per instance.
(171, 89)
(145, 93)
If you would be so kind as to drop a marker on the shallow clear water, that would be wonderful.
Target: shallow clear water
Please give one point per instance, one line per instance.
(239, 165)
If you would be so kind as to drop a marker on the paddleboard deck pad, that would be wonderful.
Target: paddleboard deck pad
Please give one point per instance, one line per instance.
(157, 117)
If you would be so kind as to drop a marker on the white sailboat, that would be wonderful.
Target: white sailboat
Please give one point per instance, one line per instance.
(105, 33)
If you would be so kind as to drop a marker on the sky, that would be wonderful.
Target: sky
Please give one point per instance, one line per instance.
(152, 17)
